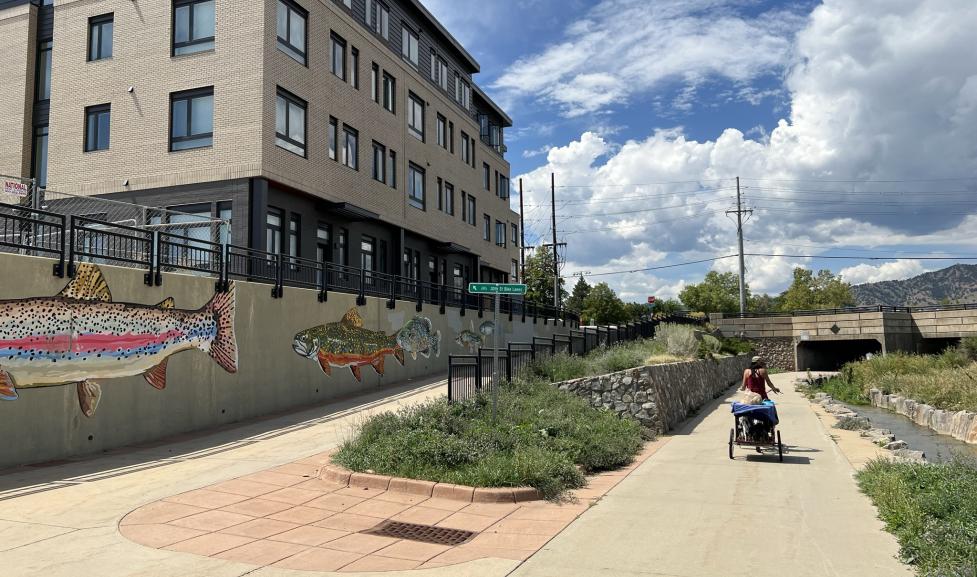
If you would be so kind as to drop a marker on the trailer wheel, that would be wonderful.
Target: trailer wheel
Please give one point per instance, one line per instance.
(780, 447)
(732, 438)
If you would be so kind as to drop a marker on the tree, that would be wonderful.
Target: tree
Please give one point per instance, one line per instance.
(539, 278)
(763, 303)
(810, 292)
(603, 307)
(667, 307)
(579, 295)
(637, 311)
(717, 293)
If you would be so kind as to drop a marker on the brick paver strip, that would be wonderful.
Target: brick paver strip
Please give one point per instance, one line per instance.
(309, 516)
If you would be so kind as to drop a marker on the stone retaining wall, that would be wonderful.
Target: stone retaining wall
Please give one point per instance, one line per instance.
(661, 396)
(961, 425)
(778, 352)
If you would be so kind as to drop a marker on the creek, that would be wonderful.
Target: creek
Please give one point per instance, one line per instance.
(938, 448)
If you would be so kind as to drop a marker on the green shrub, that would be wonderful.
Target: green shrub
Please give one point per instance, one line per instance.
(678, 340)
(931, 509)
(968, 348)
(947, 381)
(736, 346)
(853, 424)
(540, 438)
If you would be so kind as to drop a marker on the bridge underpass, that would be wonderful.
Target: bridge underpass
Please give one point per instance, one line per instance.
(825, 340)
(832, 355)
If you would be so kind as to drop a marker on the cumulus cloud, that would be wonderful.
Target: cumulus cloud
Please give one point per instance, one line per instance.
(897, 270)
(623, 47)
(883, 96)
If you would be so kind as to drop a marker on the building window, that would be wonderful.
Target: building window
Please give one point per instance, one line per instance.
(381, 18)
(290, 122)
(449, 198)
(39, 163)
(292, 38)
(43, 90)
(368, 253)
(100, 37)
(323, 247)
(415, 117)
(351, 147)
(515, 235)
(338, 57)
(439, 71)
(451, 137)
(390, 93)
(379, 162)
(415, 186)
(294, 236)
(486, 176)
(502, 186)
(333, 138)
(193, 26)
(392, 170)
(500, 233)
(410, 46)
(442, 132)
(463, 92)
(343, 242)
(192, 119)
(486, 227)
(471, 210)
(440, 194)
(514, 271)
(465, 148)
(273, 231)
(354, 67)
(97, 127)
(375, 83)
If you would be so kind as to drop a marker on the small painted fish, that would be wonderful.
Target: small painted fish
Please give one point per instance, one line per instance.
(487, 328)
(469, 339)
(347, 344)
(418, 338)
(81, 335)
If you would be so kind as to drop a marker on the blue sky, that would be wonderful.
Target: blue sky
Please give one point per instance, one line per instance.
(851, 122)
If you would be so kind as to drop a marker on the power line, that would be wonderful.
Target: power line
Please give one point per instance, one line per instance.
(662, 267)
(863, 257)
(643, 196)
(643, 224)
(943, 179)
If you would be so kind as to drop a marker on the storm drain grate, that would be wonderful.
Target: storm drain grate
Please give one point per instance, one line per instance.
(422, 533)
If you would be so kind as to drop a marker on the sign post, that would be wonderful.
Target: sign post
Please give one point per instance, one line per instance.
(496, 289)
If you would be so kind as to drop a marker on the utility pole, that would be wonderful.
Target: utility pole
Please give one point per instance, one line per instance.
(739, 234)
(522, 237)
(556, 262)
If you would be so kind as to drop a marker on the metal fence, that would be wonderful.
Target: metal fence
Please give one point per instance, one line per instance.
(75, 239)
(469, 375)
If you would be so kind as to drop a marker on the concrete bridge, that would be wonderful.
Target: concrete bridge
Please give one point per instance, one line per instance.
(825, 340)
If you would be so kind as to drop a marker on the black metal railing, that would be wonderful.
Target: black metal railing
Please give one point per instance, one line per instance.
(34, 233)
(100, 242)
(468, 375)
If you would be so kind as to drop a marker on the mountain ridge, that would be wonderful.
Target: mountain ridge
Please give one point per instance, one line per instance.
(955, 285)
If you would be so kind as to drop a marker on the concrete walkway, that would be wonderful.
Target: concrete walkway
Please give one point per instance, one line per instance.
(691, 512)
(686, 511)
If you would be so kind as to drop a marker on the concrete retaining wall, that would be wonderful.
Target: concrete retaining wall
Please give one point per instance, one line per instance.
(46, 423)
(961, 425)
(660, 397)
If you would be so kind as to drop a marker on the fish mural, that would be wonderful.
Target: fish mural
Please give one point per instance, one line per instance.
(470, 339)
(80, 335)
(486, 329)
(419, 338)
(347, 344)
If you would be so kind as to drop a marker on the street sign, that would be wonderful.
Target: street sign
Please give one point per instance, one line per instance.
(491, 288)
(651, 300)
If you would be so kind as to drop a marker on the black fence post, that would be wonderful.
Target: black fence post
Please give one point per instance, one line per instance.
(451, 375)
(420, 296)
(279, 290)
(361, 295)
(59, 267)
(443, 297)
(464, 301)
(510, 300)
(478, 370)
(481, 306)
(535, 312)
(71, 248)
(508, 362)
(522, 308)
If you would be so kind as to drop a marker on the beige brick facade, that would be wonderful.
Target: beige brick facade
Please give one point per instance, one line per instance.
(17, 90)
(245, 68)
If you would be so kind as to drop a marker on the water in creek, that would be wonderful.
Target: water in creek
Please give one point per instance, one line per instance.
(937, 447)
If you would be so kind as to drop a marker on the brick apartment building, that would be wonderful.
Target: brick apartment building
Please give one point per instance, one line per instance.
(345, 131)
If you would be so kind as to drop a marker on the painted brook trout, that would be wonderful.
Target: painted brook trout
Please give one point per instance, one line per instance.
(81, 335)
(347, 344)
